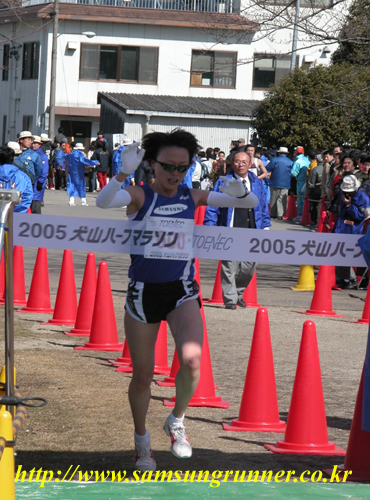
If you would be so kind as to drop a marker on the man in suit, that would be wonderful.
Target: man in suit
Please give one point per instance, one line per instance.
(236, 276)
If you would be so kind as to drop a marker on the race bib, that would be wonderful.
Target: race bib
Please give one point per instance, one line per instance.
(171, 238)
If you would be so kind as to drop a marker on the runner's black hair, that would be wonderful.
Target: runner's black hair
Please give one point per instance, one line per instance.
(155, 141)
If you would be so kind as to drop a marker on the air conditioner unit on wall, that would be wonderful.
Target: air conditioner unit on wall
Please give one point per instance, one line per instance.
(71, 45)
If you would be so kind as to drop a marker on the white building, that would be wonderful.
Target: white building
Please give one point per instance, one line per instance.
(193, 49)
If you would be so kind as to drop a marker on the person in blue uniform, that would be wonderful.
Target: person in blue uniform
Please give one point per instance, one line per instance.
(76, 184)
(60, 165)
(39, 187)
(30, 159)
(164, 289)
(13, 178)
(117, 162)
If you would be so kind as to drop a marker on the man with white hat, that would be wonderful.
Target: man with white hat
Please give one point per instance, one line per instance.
(30, 159)
(280, 168)
(350, 220)
(39, 188)
(75, 171)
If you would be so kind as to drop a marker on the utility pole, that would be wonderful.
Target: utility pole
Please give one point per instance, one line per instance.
(295, 36)
(53, 70)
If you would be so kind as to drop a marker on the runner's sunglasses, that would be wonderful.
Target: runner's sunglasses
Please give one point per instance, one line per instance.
(167, 167)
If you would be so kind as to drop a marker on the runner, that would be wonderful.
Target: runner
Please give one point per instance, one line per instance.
(164, 289)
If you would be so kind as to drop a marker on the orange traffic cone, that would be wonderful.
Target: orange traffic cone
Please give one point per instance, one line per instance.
(366, 311)
(217, 290)
(125, 359)
(334, 279)
(199, 215)
(19, 284)
(170, 380)
(291, 212)
(204, 394)
(160, 355)
(358, 450)
(87, 298)
(306, 216)
(322, 222)
(250, 293)
(103, 334)
(197, 272)
(322, 304)
(39, 296)
(259, 410)
(65, 308)
(306, 430)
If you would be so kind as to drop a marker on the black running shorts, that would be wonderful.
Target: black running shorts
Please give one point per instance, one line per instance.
(152, 302)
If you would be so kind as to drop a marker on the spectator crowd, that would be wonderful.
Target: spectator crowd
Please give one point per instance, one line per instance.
(334, 180)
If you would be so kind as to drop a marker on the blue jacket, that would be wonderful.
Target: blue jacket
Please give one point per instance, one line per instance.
(300, 166)
(32, 161)
(189, 174)
(352, 213)
(280, 168)
(60, 158)
(116, 160)
(117, 164)
(216, 216)
(39, 195)
(76, 184)
(13, 178)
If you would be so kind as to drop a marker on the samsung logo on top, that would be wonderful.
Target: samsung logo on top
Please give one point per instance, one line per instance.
(170, 209)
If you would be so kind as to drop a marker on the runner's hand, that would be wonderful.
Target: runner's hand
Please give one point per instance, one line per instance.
(131, 157)
(233, 187)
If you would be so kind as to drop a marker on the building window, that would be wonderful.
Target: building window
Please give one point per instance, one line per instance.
(30, 68)
(313, 4)
(213, 69)
(119, 63)
(6, 62)
(27, 122)
(269, 70)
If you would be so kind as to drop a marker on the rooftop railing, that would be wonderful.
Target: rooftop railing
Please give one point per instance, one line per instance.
(221, 6)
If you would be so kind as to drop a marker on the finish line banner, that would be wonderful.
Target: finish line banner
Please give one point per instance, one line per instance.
(177, 239)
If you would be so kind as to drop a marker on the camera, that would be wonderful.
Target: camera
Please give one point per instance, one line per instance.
(347, 196)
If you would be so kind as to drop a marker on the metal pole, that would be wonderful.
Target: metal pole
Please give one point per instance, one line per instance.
(53, 72)
(8, 198)
(9, 311)
(295, 35)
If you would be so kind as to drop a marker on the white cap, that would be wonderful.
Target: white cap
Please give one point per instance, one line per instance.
(44, 138)
(283, 150)
(37, 138)
(79, 145)
(15, 146)
(25, 134)
(350, 183)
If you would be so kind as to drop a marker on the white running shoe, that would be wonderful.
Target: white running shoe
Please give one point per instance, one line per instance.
(144, 459)
(180, 446)
(72, 204)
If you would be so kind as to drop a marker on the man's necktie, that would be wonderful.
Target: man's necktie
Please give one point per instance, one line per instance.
(244, 217)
